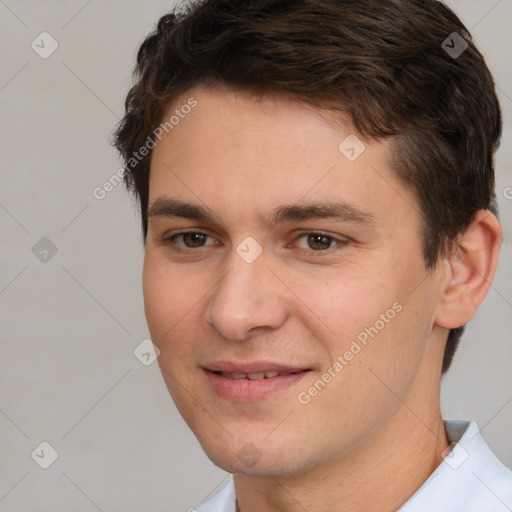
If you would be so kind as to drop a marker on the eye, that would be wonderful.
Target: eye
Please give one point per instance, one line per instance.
(317, 241)
(190, 239)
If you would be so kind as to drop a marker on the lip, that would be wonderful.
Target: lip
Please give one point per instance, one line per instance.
(252, 367)
(245, 390)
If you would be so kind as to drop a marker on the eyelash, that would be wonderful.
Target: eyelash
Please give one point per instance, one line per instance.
(171, 240)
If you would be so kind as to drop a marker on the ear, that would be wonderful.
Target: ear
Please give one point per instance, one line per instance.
(470, 269)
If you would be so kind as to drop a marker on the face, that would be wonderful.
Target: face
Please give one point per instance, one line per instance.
(284, 282)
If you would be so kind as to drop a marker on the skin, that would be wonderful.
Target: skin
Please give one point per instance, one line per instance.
(379, 418)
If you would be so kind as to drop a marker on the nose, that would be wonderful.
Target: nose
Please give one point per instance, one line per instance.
(248, 299)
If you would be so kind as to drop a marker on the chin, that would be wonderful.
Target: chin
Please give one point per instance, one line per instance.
(257, 458)
(261, 469)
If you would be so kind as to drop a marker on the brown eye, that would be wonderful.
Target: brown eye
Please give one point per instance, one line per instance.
(189, 240)
(319, 242)
(194, 239)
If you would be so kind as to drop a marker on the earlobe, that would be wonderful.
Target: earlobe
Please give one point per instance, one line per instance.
(470, 270)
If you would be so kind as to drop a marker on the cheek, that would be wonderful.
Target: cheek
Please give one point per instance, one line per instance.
(369, 312)
(156, 297)
(347, 301)
(169, 308)
(168, 300)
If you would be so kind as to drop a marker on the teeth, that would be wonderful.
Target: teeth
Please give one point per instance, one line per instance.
(253, 376)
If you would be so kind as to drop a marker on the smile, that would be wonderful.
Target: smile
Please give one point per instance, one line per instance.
(253, 376)
(255, 384)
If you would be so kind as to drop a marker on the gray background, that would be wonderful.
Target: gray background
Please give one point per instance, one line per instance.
(69, 325)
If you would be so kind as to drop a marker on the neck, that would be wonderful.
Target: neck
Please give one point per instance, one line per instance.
(382, 474)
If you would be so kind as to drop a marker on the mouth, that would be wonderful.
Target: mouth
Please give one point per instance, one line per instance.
(249, 382)
(254, 376)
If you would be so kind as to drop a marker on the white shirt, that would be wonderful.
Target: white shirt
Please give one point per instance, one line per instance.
(470, 479)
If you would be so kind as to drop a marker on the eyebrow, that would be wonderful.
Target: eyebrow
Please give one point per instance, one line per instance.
(339, 211)
(168, 207)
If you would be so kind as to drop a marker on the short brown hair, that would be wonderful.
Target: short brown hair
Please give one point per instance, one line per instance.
(383, 62)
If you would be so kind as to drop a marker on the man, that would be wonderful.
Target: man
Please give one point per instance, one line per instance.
(316, 184)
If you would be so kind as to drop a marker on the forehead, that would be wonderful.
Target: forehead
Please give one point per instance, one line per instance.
(236, 153)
